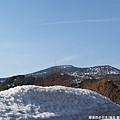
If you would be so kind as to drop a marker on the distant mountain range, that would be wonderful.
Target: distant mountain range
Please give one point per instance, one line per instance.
(76, 71)
(95, 71)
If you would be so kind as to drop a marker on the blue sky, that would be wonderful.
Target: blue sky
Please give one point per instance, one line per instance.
(37, 34)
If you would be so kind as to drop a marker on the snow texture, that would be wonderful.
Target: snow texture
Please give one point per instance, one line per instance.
(53, 103)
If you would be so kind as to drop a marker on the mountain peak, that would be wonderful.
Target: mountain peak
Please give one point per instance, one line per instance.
(64, 66)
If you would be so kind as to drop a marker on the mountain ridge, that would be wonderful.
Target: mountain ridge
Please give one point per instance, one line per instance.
(72, 70)
(95, 71)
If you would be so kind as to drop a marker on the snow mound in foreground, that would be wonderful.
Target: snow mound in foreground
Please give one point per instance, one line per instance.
(53, 103)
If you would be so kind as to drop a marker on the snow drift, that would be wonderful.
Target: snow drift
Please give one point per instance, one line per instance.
(53, 103)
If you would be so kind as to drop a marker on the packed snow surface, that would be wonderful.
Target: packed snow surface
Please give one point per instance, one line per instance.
(53, 103)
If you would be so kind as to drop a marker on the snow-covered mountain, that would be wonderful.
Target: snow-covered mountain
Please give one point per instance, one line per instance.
(71, 70)
(53, 103)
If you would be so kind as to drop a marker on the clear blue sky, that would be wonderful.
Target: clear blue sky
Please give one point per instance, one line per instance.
(37, 34)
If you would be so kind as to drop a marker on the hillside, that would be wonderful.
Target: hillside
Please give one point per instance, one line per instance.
(53, 103)
(104, 86)
(108, 86)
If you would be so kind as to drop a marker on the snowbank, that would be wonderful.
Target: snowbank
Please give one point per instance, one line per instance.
(53, 103)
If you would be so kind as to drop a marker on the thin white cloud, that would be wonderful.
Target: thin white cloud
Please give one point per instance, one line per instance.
(67, 59)
(83, 21)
